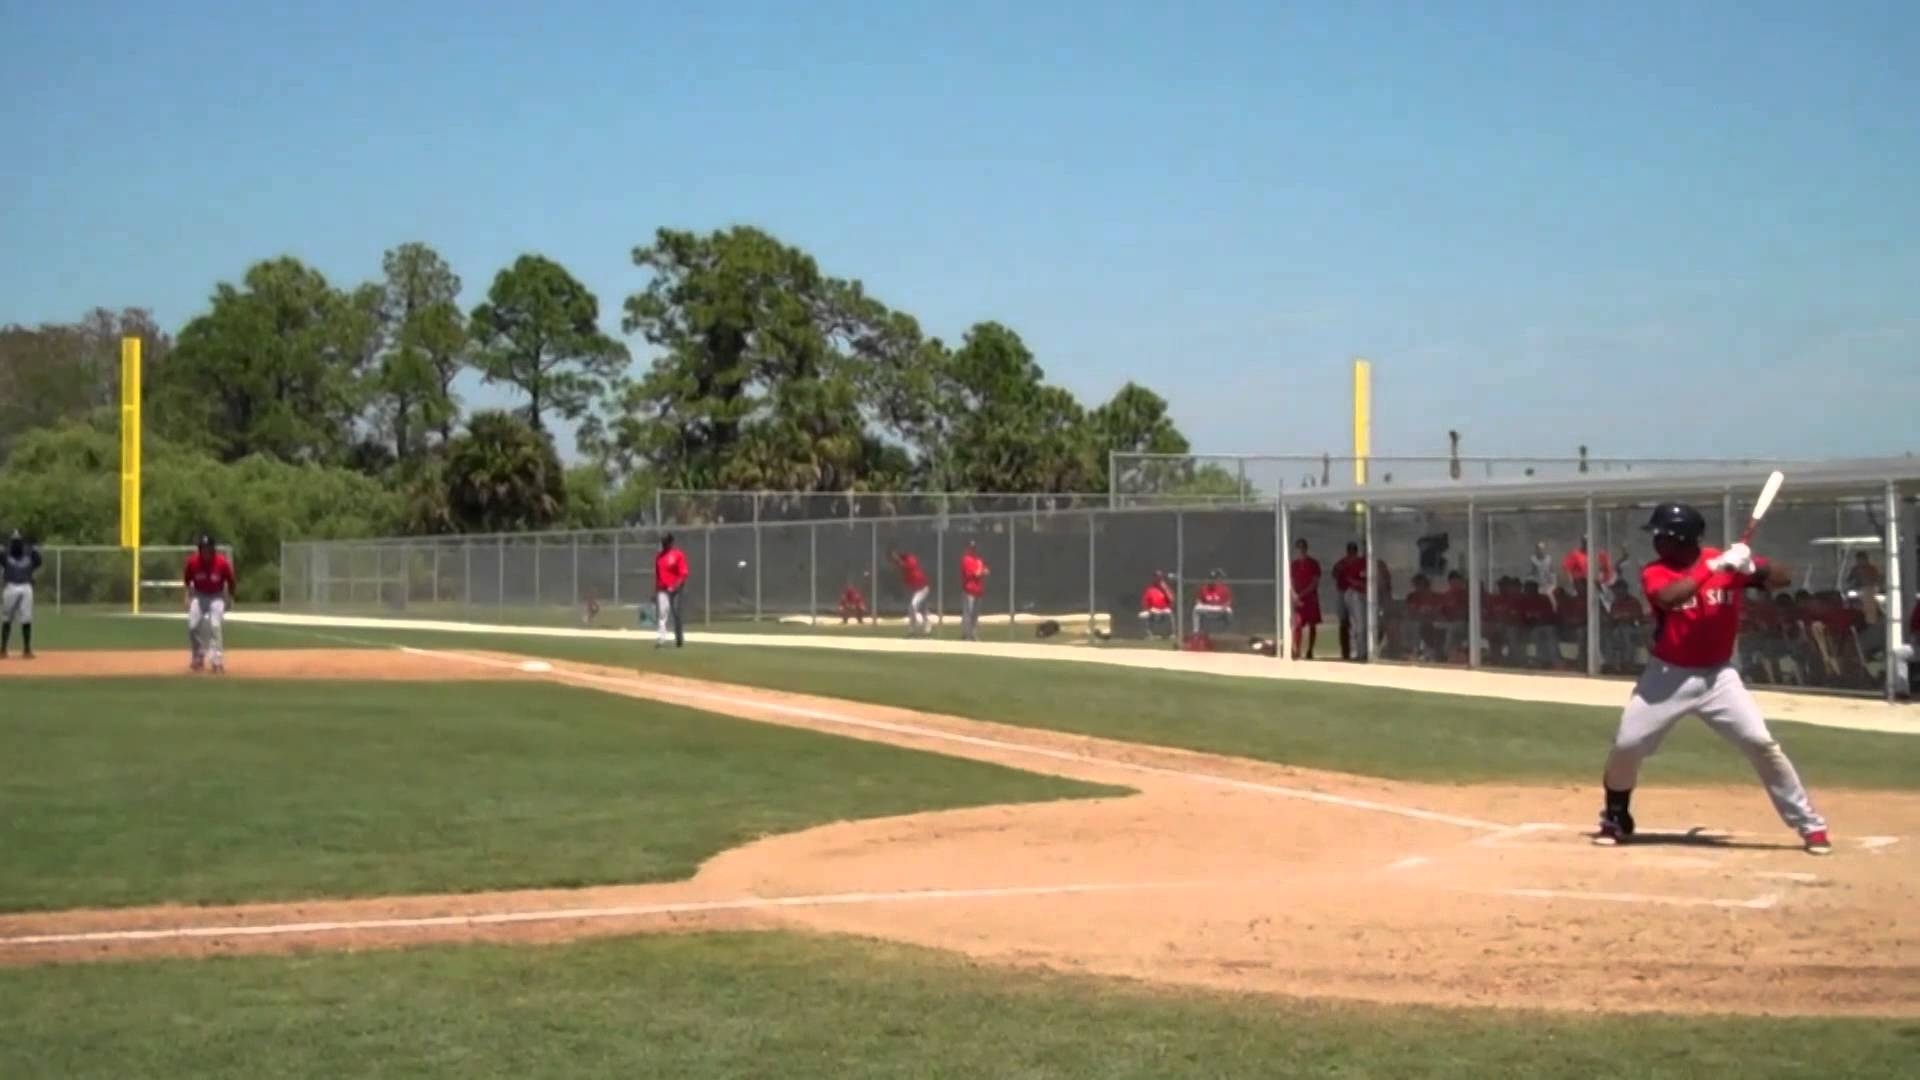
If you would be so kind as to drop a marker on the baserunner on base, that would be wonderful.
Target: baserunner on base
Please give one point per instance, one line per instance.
(210, 584)
(1695, 594)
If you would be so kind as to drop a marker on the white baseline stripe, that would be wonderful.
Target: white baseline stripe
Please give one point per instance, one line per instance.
(1758, 903)
(691, 907)
(825, 717)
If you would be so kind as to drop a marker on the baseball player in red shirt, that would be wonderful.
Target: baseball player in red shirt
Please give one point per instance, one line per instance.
(1350, 581)
(1213, 607)
(1156, 606)
(670, 575)
(915, 580)
(1305, 571)
(209, 581)
(1695, 594)
(973, 586)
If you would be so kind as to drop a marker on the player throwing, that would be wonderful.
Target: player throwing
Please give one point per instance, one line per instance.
(670, 575)
(914, 580)
(210, 584)
(1695, 595)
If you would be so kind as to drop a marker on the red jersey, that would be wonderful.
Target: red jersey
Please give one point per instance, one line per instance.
(1533, 609)
(1699, 633)
(1306, 577)
(911, 575)
(1575, 564)
(1156, 598)
(1625, 609)
(1453, 604)
(1216, 594)
(973, 575)
(669, 570)
(1350, 574)
(1423, 603)
(211, 577)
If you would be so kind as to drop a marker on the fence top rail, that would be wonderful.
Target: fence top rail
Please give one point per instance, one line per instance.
(1465, 459)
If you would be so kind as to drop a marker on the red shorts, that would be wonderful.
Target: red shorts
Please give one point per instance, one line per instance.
(1306, 614)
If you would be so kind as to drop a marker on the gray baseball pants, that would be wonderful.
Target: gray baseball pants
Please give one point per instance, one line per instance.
(1667, 693)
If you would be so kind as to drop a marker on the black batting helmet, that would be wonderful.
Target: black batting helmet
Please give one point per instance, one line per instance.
(205, 542)
(1678, 520)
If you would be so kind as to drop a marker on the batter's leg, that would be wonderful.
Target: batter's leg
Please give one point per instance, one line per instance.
(1729, 709)
(1663, 695)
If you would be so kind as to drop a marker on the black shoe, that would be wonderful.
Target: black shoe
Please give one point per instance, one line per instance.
(1616, 828)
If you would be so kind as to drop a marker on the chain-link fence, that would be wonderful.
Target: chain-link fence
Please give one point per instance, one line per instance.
(1527, 577)
(103, 579)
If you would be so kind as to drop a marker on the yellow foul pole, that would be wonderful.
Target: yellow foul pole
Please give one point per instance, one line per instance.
(1362, 419)
(130, 457)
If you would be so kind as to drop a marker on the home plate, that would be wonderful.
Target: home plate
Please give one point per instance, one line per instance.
(536, 666)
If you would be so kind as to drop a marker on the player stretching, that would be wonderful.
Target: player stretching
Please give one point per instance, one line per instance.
(17, 568)
(669, 577)
(210, 587)
(915, 579)
(1695, 595)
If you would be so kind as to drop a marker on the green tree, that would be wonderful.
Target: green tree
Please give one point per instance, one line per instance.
(1135, 421)
(64, 371)
(276, 367)
(763, 375)
(426, 349)
(503, 476)
(1012, 432)
(539, 332)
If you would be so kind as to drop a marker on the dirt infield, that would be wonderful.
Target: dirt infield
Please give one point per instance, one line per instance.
(1220, 873)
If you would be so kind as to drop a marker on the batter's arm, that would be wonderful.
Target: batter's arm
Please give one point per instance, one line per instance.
(1770, 575)
(1681, 589)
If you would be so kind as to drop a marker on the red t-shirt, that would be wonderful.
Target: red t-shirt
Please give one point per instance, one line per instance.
(1575, 564)
(209, 576)
(1216, 594)
(1350, 574)
(973, 575)
(1424, 604)
(1625, 609)
(1305, 571)
(1699, 633)
(1533, 609)
(852, 598)
(911, 575)
(669, 570)
(1453, 604)
(1155, 598)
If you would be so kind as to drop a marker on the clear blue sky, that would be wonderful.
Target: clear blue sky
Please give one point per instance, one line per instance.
(1656, 228)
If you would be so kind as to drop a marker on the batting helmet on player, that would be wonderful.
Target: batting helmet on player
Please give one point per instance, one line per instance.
(1678, 520)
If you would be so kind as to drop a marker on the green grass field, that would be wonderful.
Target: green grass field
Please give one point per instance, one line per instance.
(93, 632)
(801, 1007)
(130, 791)
(123, 791)
(1388, 733)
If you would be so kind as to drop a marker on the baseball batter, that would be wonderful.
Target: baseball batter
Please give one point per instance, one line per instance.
(1695, 594)
(17, 568)
(915, 580)
(210, 582)
(670, 575)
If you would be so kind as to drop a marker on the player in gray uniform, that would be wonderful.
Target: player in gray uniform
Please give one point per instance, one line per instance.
(17, 568)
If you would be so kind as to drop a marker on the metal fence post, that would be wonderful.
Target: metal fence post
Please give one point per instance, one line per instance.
(1474, 585)
(873, 568)
(576, 568)
(1013, 572)
(59, 585)
(1373, 587)
(539, 553)
(500, 571)
(466, 593)
(1283, 582)
(1093, 589)
(813, 575)
(706, 579)
(1593, 595)
(436, 573)
(756, 557)
(939, 576)
(1179, 575)
(1894, 615)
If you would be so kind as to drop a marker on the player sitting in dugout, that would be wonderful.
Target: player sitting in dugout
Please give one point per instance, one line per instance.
(1213, 608)
(1156, 606)
(1570, 614)
(1622, 628)
(1523, 625)
(1419, 625)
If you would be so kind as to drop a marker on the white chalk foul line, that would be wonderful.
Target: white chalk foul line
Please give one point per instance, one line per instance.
(915, 731)
(631, 911)
(1758, 903)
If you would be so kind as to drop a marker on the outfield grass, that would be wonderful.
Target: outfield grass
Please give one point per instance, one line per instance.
(1388, 733)
(130, 791)
(803, 1007)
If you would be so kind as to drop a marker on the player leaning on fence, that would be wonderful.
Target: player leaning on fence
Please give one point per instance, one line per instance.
(17, 567)
(669, 577)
